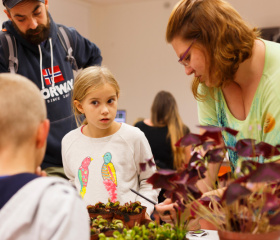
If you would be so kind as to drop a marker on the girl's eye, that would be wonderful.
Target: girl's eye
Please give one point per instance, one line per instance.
(94, 102)
(111, 100)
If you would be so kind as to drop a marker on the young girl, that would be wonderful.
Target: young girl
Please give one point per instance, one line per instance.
(101, 157)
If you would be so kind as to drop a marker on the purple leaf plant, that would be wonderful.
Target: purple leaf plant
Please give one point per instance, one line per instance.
(251, 201)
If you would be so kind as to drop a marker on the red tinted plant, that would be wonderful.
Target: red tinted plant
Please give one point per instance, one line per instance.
(250, 202)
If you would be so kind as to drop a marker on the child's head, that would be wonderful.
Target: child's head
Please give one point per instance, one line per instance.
(89, 80)
(22, 110)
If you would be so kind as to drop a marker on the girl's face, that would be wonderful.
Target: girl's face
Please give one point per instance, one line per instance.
(99, 107)
(196, 59)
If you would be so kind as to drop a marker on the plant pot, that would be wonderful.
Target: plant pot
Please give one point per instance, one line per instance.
(194, 225)
(226, 235)
(108, 215)
(145, 222)
(109, 233)
(204, 224)
(94, 236)
(144, 212)
(129, 220)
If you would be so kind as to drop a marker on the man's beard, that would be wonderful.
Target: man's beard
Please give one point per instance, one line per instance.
(44, 31)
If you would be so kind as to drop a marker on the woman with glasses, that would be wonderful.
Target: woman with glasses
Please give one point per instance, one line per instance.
(236, 74)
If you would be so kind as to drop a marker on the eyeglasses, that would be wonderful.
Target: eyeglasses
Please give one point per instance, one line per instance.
(182, 59)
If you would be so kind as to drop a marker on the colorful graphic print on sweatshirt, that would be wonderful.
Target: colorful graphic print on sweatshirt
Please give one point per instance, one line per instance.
(83, 173)
(109, 176)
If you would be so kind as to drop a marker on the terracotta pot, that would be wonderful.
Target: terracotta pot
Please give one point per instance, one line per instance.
(145, 222)
(144, 212)
(226, 235)
(108, 215)
(194, 224)
(94, 236)
(109, 233)
(129, 220)
(204, 224)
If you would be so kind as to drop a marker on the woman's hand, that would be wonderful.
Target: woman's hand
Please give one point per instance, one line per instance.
(166, 211)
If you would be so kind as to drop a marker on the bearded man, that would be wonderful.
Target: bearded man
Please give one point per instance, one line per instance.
(43, 59)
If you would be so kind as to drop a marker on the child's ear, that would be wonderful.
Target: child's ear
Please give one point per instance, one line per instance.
(42, 133)
(79, 106)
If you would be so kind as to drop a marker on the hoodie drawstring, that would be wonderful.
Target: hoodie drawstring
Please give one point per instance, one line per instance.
(52, 61)
(41, 68)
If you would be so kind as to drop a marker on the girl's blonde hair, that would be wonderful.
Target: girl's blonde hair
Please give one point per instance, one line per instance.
(164, 111)
(91, 78)
(218, 27)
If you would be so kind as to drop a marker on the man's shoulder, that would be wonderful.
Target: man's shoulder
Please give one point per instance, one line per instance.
(70, 31)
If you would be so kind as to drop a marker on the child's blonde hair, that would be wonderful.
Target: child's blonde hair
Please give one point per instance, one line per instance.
(91, 78)
(22, 109)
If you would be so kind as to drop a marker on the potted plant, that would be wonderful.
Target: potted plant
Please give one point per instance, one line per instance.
(112, 206)
(101, 225)
(131, 213)
(152, 231)
(250, 203)
(100, 209)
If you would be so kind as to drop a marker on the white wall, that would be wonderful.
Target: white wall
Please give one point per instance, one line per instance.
(131, 36)
(73, 13)
(3, 16)
(134, 48)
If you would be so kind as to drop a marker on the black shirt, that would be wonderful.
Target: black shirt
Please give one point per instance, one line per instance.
(160, 144)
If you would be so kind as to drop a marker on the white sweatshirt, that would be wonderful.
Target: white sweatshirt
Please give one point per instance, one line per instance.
(108, 167)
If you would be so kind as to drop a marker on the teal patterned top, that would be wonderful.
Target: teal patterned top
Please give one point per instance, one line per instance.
(262, 122)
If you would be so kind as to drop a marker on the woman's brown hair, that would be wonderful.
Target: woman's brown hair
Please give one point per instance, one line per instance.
(164, 112)
(219, 28)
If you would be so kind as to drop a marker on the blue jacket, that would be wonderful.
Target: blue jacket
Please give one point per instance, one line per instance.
(58, 94)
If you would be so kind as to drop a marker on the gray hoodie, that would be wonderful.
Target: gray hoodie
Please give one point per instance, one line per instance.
(45, 208)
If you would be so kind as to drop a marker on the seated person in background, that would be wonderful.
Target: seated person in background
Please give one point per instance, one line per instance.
(101, 157)
(163, 130)
(32, 207)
